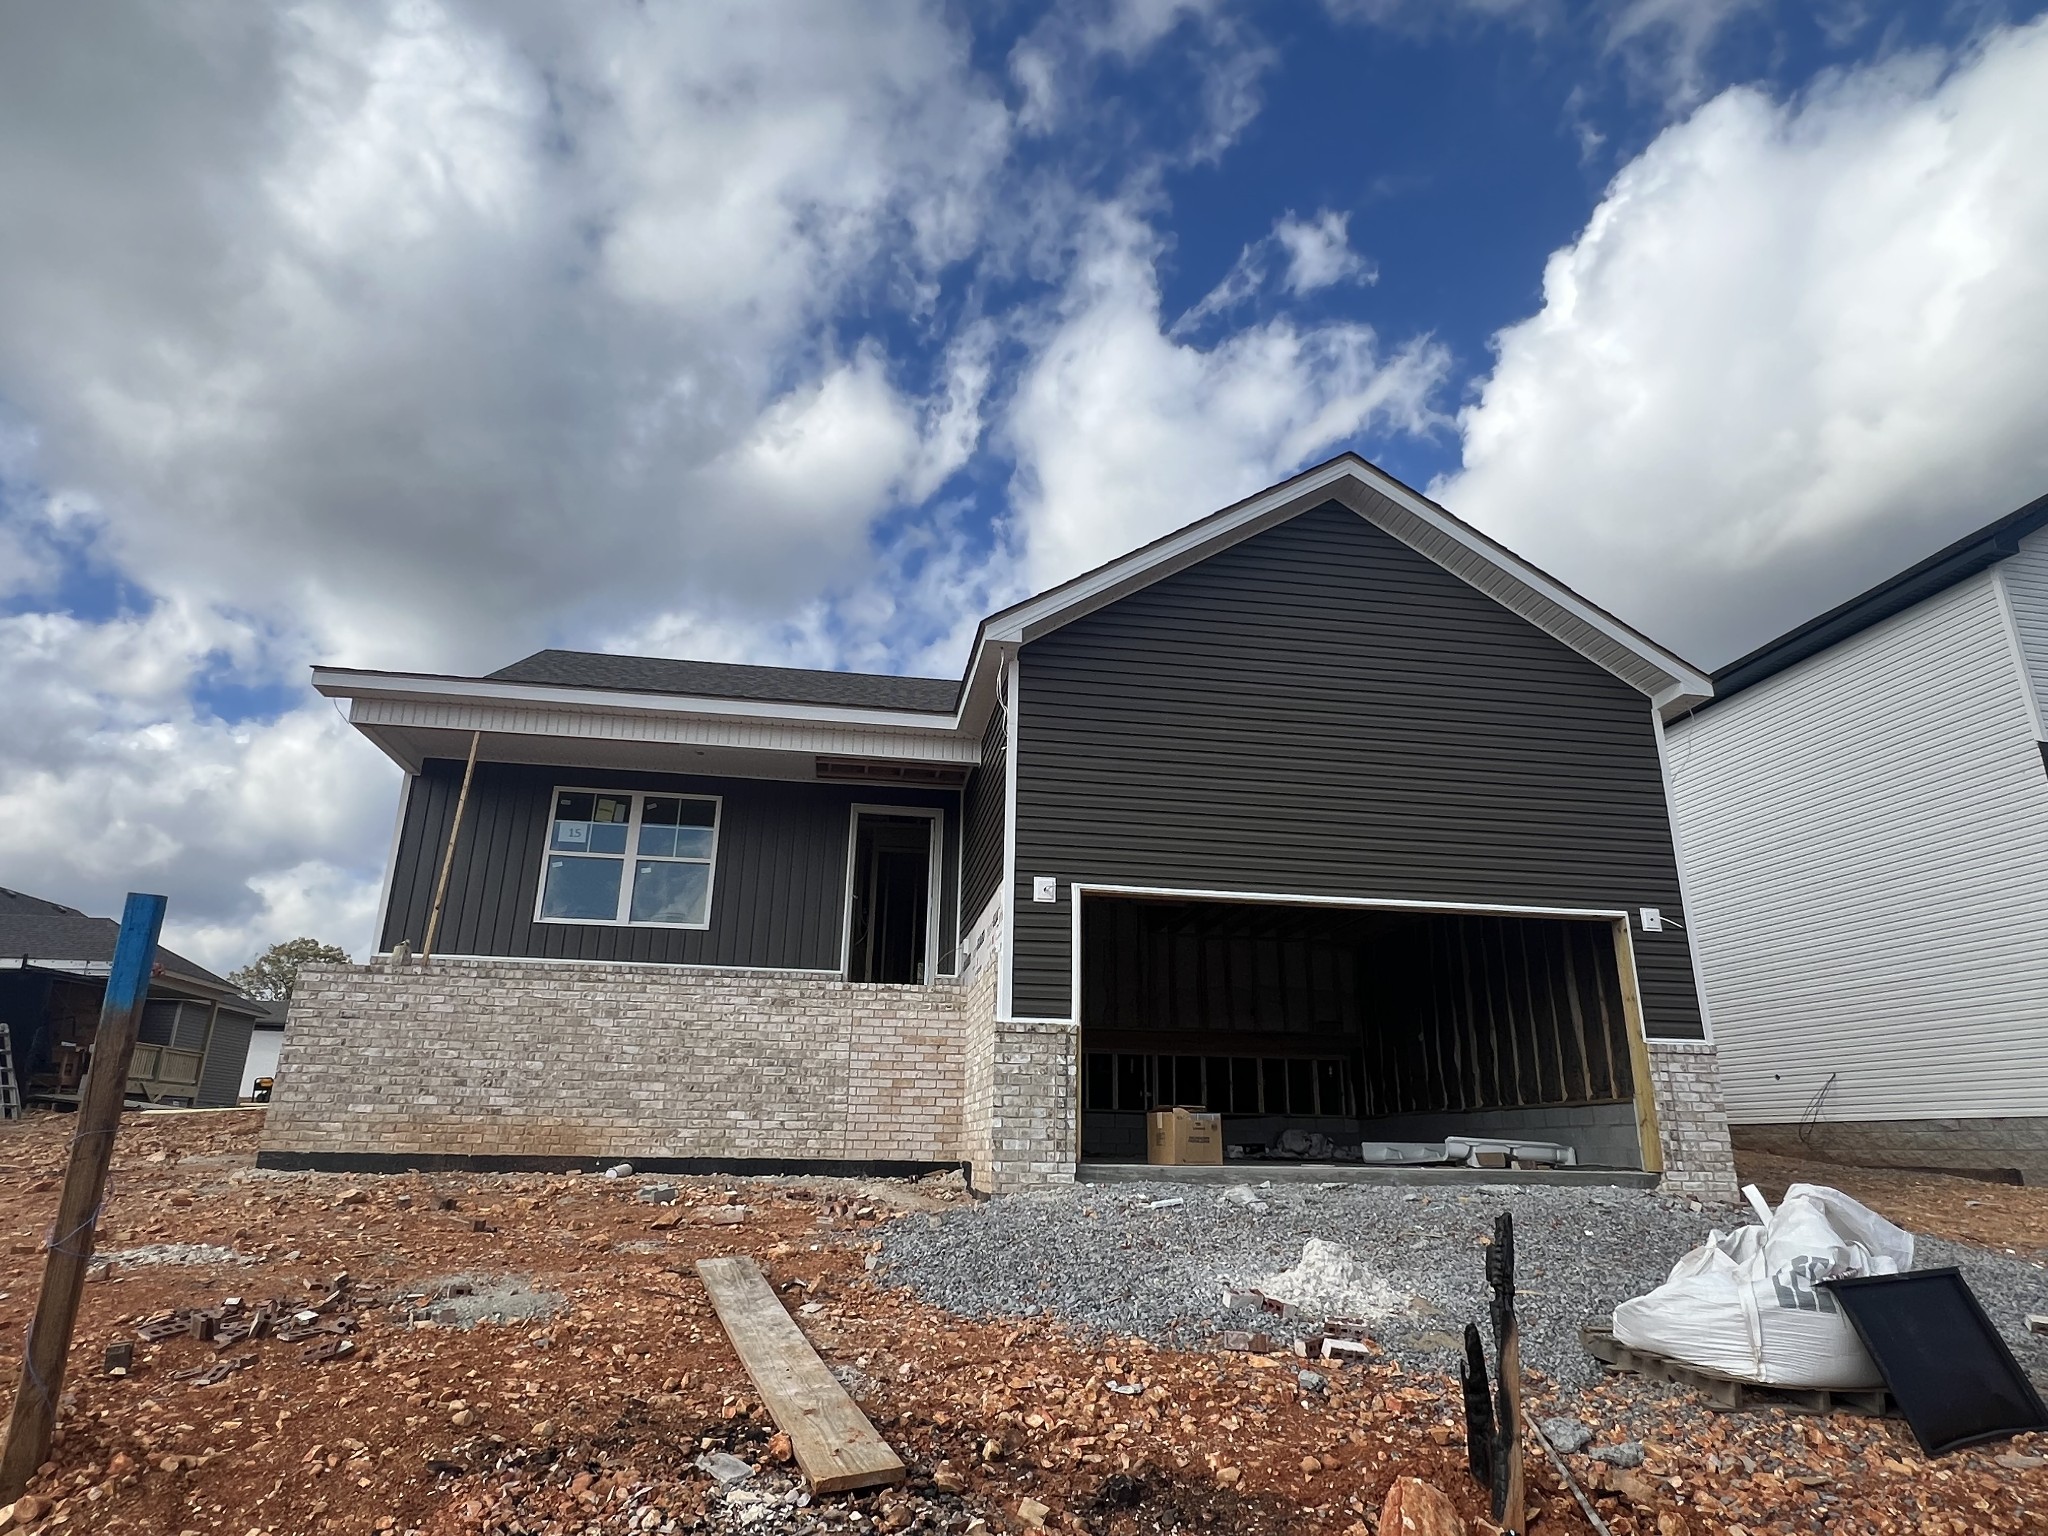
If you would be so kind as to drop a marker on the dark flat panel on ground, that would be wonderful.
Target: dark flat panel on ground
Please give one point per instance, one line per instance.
(1954, 1378)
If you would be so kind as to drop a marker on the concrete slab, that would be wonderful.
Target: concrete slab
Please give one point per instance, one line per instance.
(1357, 1173)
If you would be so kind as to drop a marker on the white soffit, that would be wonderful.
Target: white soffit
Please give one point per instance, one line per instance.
(811, 738)
(1422, 526)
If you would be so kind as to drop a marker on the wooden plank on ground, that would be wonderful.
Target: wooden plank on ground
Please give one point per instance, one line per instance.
(835, 1444)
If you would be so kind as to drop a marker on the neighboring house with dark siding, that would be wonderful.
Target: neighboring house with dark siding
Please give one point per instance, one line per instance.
(1864, 813)
(1324, 812)
(192, 1037)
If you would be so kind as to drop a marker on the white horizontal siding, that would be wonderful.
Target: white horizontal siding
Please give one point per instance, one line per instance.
(1866, 844)
(2026, 584)
(682, 730)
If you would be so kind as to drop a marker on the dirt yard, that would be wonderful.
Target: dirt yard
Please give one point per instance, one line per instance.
(586, 1408)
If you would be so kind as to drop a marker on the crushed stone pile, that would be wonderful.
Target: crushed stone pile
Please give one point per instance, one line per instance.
(1331, 1281)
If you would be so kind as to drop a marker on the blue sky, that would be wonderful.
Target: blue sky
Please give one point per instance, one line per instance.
(427, 333)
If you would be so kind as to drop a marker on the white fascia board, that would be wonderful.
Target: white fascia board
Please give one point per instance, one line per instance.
(1098, 588)
(336, 683)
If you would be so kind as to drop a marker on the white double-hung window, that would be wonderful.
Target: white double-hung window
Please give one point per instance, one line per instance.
(617, 856)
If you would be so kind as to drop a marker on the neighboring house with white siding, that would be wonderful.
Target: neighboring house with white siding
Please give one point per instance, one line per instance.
(1863, 821)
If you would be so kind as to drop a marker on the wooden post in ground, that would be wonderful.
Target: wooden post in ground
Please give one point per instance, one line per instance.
(448, 856)
(70, 1242)
(1507, 1345)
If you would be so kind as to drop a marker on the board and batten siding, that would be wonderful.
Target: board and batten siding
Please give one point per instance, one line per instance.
(1321, 710)
(1866, 841)
(778, 892)
(981, 859)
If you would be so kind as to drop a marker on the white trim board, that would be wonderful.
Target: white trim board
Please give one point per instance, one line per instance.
(352, 683)
(1005, 974)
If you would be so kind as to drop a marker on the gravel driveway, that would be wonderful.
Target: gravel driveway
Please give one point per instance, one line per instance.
(1101, 1257)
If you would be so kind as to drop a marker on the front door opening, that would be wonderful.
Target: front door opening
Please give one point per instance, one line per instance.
(890, 921)
(1347, 1034)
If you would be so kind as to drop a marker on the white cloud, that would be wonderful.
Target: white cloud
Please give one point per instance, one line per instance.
(1664, 49)
(1668, 44)
(1319, 253)
(112, 779)
(456, 319)
(1796, 347)
(1122, 432)
(418, 333)
(1055, 68)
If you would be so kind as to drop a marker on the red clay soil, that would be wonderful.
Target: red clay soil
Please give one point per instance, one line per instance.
(591, 1419)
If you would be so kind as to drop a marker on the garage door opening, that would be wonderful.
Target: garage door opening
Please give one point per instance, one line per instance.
(1354, 1034)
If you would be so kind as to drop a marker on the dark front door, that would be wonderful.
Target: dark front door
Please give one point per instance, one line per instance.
(892, 863)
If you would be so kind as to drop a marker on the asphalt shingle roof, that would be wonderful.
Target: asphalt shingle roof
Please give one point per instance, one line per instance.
(728, 680)
(68, 935)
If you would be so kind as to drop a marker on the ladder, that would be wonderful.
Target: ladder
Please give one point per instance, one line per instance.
(10, 1085)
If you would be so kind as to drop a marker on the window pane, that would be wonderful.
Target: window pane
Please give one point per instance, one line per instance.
(1330, 1087)
(671, 893)
(590, 823)
(572, 822)
(1244, 1086)
(1101, 1082)
(1217, 1085)
(608, 823)
(587, 889)
(1301, 1087)
(1275, 1073)
(1131, 1083)
(678, 811)
(673, 827)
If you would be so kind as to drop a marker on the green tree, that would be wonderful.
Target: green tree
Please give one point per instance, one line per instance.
(273, 974)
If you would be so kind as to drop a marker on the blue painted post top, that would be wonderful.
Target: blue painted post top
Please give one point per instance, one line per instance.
(142, 920)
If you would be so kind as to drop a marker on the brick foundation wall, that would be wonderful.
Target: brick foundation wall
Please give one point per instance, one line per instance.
(1692, 1120)
(1032, 1135)
(468, 1058)
(977, 1036)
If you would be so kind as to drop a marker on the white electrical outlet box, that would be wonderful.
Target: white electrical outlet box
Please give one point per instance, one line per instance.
(1045, 887)
(1653, 919)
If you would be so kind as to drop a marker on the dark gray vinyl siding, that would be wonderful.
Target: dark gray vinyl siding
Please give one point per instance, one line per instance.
(220, 1074)
(1321, 710)
(778, 889)
(982, 860)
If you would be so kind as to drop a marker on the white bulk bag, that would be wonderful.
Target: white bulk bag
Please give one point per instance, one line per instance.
(1747, 1304)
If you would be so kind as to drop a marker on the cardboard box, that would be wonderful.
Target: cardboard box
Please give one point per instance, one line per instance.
(1179, 1136)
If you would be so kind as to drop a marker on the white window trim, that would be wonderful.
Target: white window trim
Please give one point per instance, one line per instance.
(632, 853)
(934, 882)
